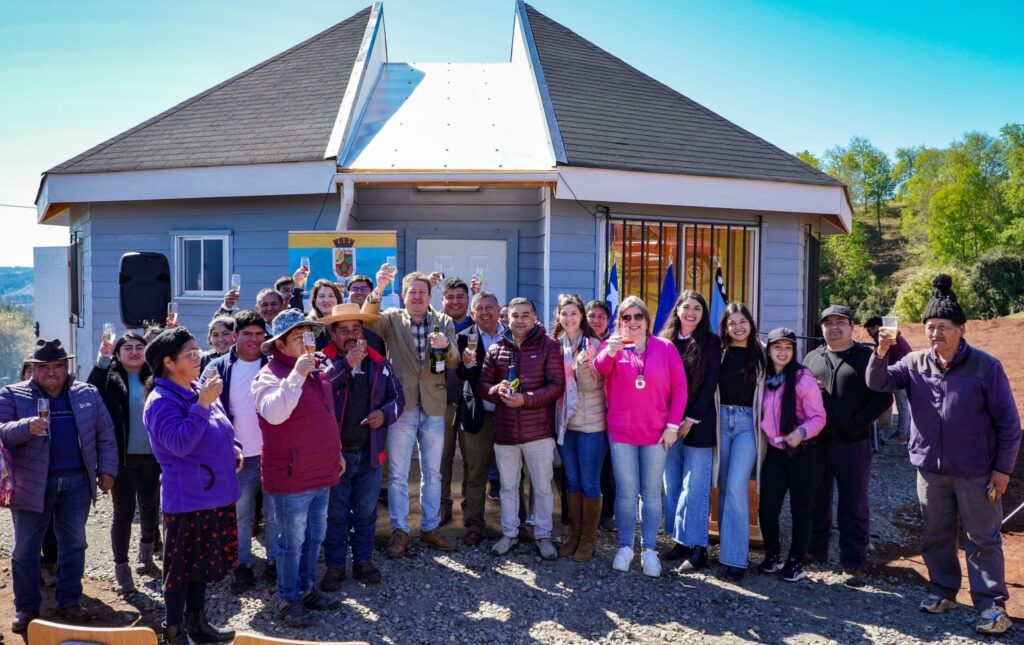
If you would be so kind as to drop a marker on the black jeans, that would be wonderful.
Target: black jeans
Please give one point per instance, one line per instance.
(800, 474)
(138, 479)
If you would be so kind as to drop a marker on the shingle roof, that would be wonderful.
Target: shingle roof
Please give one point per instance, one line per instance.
(612, 115)
(278, 111)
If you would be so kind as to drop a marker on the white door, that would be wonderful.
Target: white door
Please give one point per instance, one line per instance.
(463, 258)
(52, 301)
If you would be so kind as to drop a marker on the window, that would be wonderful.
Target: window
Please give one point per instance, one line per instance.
(641, 251)
(201, 264)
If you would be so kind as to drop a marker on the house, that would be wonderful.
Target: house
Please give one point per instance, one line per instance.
(546, 171)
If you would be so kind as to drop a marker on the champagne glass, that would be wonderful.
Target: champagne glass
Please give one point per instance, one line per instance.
(109, 333)
(236, 283)
(208, 373)
(392, 263)
(304, 263)
(309, 342)
(360, 344)
(43, 412)
(172, 312)
(471, 342)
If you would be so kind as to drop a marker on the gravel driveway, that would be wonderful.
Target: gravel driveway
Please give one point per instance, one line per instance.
(471, 597)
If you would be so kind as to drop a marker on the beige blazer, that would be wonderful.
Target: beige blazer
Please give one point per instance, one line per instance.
(419, 385)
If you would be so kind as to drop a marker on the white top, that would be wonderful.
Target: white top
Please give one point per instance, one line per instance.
(243, 407)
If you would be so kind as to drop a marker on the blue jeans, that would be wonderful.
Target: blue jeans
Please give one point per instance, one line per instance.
(352, 511)
(67, 501)
(688, 474)
(415, 426)
(245, 509)
(302, 518)
(638, 471)
(582, 457)
(737, 453)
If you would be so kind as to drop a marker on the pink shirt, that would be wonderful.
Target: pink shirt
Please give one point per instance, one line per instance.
(639, 417)
(810, 410)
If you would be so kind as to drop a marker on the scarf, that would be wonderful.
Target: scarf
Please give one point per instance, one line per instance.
(570, 400)
(774, 381)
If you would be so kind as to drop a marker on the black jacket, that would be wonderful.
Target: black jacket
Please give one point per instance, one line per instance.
(470, 414)
(112, 383)
(850, 405)
(700, 404)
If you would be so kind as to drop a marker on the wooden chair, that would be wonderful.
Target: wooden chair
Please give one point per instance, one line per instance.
(756, 540)
(258, 639)
(43, 632)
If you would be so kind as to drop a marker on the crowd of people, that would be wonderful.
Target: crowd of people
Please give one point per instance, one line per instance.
(295, 419)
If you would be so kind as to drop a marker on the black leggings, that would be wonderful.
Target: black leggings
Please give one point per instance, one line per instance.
(137, 480)
(800, 475)
(191, 597)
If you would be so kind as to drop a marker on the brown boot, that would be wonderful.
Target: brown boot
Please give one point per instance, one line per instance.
(435, 540)
(398, 544)
(575, 524)
(588, 533)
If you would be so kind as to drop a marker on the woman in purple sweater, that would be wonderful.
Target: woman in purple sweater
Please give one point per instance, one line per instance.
(792, 415)
(194, 442)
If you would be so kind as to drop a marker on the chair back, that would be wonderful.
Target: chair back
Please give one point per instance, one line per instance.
(43, 632)
(259, 639)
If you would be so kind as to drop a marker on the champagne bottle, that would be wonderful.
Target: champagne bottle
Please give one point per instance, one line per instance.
(513, 380)
(436, 355)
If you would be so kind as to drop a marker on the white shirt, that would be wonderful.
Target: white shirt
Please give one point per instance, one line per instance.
(243, 407)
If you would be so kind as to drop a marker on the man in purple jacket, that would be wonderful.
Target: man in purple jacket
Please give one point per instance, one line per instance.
(964, 438)
(57, 463)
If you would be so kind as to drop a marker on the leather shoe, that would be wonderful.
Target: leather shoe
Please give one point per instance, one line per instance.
(332, 579)
(698, 559)
(174, 635)
(21, 620)
(445, 515)
(200, 630)
(398, 544)
(74, 613)
(472, 538)
(315, 601)
(437, 541)
(365, 573)
(677, 552)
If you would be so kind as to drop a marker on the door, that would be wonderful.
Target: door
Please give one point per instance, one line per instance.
(463, 258)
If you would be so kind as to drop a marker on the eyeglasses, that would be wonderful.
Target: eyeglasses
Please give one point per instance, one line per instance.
(363, 289)
(191, 353)
(629, 317)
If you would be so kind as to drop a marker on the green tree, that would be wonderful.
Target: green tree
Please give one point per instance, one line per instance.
(924, 180)
(866, 170)
(16, 340)
(879, 185)
(809, 158)
(903, 169)
(916, 289)
(846, 270)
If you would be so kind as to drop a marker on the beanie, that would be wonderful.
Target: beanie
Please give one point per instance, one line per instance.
(943, 302)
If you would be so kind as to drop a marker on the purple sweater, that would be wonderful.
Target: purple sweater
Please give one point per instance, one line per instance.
(195, 447)
(964, 421)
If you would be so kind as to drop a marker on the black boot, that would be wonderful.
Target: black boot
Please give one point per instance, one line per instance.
(174, 635)
(200, 630)
(698, 559)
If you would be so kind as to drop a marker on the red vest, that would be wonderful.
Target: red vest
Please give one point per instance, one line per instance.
(304, 452)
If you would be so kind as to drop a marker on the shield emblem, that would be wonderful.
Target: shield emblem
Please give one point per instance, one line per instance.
(344, 263)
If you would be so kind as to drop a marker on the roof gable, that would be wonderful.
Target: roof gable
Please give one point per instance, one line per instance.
(611, 115)
(280, 110)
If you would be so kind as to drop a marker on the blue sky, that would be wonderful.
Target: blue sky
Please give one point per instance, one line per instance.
(799, 74)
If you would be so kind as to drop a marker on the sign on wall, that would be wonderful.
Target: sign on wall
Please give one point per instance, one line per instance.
(339, 255)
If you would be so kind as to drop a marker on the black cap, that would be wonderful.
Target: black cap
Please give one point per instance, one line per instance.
(837, 310)
(781, 333)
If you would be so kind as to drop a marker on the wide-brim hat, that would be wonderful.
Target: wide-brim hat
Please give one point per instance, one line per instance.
(346, 312)
(286, 321)
(49, 350)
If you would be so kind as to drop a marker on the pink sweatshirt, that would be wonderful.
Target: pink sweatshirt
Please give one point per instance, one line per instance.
(810, 411)
(639, 417)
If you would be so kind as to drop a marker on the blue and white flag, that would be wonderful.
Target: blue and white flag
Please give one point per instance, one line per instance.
(612, 299)
(667, 299)
(718, 300)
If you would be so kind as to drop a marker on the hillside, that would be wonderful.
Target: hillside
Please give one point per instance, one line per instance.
(16, 285)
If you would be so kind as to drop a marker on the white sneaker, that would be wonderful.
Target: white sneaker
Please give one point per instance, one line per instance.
(651, 563)
(504, 545)
(993, 621)
(623, 558)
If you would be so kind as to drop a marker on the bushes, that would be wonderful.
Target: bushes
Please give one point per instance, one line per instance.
(998, 283)
(913, 294)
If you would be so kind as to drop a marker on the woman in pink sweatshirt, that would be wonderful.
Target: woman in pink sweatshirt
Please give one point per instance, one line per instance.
(792, 415)
(645, 388)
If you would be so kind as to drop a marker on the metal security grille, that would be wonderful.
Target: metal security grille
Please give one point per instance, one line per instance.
(642, 250)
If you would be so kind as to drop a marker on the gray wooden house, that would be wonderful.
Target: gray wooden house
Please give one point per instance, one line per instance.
(549, 168)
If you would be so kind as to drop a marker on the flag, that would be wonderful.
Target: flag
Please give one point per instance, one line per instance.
(612, 299)
(667, 300)
(718, 300)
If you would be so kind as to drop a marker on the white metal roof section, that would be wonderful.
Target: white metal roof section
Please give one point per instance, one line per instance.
(451, 116)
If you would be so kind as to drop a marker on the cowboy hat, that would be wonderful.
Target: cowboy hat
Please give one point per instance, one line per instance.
(49, 350)
(346, 312)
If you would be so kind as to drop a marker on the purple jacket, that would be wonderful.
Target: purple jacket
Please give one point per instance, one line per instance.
(195, 448)
(964, 421)
(31, 455)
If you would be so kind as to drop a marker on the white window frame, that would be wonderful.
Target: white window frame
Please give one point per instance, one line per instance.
(180, 237)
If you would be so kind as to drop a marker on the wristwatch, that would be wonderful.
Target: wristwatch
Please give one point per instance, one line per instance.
(374, 297)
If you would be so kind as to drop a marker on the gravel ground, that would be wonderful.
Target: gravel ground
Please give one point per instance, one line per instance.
(469, 596)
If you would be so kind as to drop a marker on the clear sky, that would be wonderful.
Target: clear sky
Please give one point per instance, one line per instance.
(800, 74)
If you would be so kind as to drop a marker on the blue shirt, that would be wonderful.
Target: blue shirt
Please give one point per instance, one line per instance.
(65, 450)
(138, 438)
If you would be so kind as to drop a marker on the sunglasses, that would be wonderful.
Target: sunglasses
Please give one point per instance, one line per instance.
(629, 317)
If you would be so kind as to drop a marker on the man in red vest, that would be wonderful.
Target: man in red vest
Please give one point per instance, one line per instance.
(301, 460)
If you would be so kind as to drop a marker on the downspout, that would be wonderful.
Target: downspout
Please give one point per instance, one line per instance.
(348, 197)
